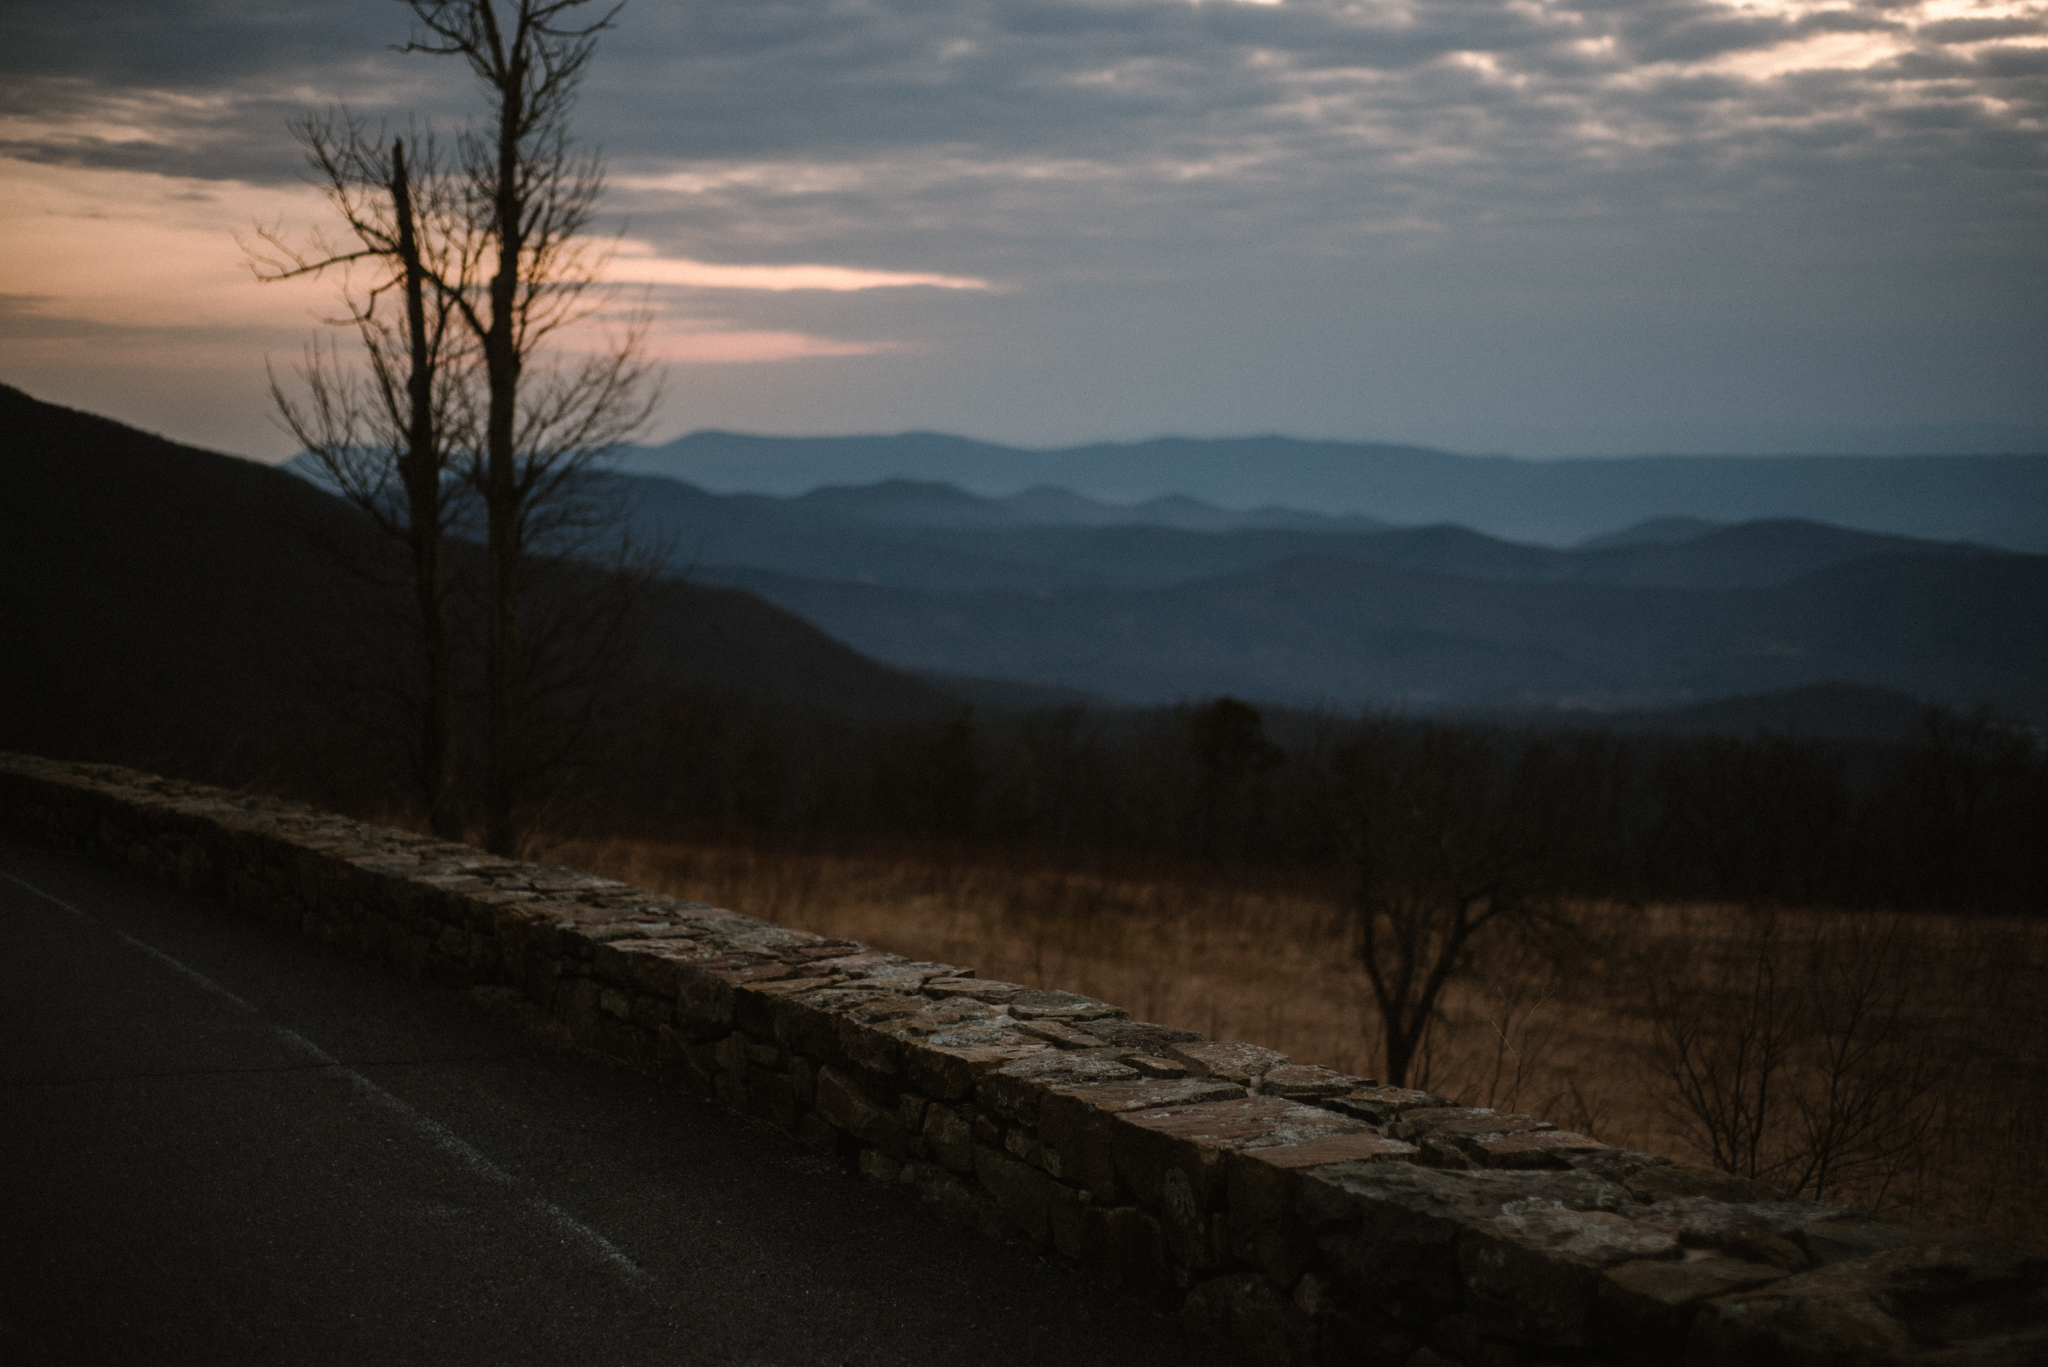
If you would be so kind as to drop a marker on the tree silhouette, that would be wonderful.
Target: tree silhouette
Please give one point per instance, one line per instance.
(382, 440)
(532, 194)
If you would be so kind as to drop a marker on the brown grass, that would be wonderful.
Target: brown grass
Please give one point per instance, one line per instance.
(1245, 959)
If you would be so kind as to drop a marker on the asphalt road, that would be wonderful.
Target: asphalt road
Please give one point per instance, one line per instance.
(223, 1144)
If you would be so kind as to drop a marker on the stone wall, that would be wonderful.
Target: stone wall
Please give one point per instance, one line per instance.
(1304, 1215)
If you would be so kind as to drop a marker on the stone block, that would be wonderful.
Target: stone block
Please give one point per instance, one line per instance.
(1464, 1123)
(731, 1053)
(1645, 1309)
(1123, 1250)
(1037, 1003)
(951, 1137)
(1066, 1213)
(1703, 1223)
(1534, 1276)
(1150, 1145)
(1249, 1313)
(994, 993)
(1307, 1082)
(948, 1066)
(703, 999)
(1139, 1036)
(1229, 1060)
(877, 1166)
(409, 953)
(1152, 1066)
(1389, 1232)
(757, 1006)
(1021, 1191)
(1075, 1122)
(807, 1022)
(1842, 1237)
(1260, 1188)
(820, 1135)
(771, 1098)
(1383, 1105)
(954, 1201)
(650, 1013)
(1674, 1181)
(1015, 1089)
(1059, 1034)
(1943, 1303)
(869, 1043)
(1344, 1146)
(1534, 1149)
(841, 1101)
(1024, 1146)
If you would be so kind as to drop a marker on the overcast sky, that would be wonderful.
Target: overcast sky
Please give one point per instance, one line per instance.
(1533, 226)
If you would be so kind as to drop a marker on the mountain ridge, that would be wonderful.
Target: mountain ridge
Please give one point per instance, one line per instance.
(1323, 631)
(1997, 499)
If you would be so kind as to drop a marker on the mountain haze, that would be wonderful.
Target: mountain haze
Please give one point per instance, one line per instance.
(1321, 630)
(2000, 500)
(935, 536)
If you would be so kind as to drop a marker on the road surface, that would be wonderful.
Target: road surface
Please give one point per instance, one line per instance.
(224, 1144)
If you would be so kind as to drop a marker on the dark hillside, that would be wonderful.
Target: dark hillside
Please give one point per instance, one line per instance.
(156, 593)
(168, 606)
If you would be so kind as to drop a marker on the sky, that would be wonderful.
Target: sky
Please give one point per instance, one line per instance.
(1540, 227)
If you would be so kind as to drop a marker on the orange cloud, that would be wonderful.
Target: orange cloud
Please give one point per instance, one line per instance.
(638, 263)
(743, 346)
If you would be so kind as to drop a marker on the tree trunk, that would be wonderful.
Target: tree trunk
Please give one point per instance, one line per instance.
(421, 471)
(503, 707)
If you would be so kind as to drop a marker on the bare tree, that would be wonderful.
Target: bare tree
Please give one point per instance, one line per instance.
(533, 195)
(1441, 833)
(381, 439)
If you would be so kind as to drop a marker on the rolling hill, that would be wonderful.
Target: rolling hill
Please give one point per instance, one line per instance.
(1322, 630)
(169, 607)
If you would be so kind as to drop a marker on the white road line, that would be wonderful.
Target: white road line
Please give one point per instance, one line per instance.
(456, 1147)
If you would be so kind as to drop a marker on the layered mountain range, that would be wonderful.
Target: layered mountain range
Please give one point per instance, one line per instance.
(1996, 500)
(1184, 599)
(166, 604)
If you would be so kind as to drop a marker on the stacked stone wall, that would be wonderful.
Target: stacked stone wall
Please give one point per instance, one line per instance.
(1305, 1215)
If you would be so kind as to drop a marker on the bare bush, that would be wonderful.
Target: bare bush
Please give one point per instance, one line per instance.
(1792, 1052)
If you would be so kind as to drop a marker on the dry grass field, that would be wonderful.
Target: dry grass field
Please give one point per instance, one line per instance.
(1571, 1035)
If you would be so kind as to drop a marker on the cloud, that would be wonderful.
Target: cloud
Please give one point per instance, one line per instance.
(742, 346)
(1479, 169)
(638, 263)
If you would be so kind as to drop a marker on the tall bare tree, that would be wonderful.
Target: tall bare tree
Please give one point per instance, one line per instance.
(382, 439)
(533, 194)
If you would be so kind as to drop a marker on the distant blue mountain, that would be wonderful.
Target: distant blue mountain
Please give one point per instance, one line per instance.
(930, 578)
(1327, 631)
(2000, 500)
(929, 535)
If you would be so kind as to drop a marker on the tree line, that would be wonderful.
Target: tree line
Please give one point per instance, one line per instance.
(1952, 822)
(1441, 845)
